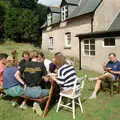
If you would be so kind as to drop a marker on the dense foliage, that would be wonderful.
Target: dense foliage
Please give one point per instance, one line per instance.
(21, 20)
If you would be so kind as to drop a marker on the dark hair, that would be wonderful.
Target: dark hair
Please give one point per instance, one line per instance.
(25, 53)
(57, 53)
(112, 54)
(3, 55)
(41, 54)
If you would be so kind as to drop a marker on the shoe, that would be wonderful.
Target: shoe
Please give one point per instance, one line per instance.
(36, 108)
(23, 106)
(14, 103)
(93, 96)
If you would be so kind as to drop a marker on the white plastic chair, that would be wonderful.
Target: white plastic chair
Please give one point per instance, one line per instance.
(75, 94)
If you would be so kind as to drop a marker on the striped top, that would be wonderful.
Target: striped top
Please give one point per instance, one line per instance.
(66, 76)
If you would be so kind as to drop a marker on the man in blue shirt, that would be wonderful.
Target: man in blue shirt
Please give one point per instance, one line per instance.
(112, 72)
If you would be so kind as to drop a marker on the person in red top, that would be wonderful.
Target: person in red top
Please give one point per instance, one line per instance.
(3, 61)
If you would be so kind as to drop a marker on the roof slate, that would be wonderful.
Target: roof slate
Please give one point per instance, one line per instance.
(55, 9)
(72, 1)
(116, 23)
(86, 6)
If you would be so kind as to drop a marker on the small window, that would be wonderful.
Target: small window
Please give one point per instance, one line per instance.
(109, 41)
(89, 47)
(51, 42)
(64, 12)
(68, 40)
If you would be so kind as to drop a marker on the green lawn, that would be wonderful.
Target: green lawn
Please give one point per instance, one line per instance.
(104, 107)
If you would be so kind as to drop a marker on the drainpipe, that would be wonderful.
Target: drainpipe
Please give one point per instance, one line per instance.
(79, 54)
(92, 22)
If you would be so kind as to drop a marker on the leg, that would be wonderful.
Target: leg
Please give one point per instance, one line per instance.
(97, 87)
(23, 105)
(103, 77)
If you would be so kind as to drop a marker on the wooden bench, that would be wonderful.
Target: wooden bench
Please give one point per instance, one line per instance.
(1, 90)
(46, 99)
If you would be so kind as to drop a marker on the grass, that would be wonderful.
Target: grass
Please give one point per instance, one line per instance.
(104, 107)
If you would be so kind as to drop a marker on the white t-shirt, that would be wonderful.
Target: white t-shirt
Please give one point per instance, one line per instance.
(47, 63)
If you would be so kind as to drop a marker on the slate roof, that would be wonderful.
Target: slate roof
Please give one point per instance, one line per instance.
(72, 1)
(83, 7)
(55, 9)
(116, 23)
(86, 6)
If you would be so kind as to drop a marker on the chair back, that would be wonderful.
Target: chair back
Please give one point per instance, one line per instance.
(78, 84)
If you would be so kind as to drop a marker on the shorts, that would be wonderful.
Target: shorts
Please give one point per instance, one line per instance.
(15, 91)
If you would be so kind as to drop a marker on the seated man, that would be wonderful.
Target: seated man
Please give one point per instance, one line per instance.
(33, 72)
(112, 72)
(42, 59)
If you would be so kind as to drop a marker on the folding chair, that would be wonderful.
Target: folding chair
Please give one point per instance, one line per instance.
(76, 91)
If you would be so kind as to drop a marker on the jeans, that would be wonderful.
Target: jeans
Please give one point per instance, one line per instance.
(36, 92)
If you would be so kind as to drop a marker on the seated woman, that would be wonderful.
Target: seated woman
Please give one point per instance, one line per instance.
(11, 86)
(66, 73)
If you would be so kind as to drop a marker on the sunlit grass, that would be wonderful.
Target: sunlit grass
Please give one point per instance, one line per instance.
(104, 107)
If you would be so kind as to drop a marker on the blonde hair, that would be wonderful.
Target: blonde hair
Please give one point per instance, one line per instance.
(34, 54)
(10, 62)
(60, 60)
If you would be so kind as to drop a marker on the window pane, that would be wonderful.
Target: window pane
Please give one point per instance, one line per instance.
(109, 42)
(92, 41)
(92, 47)
(86, 47)
(86, 41)
(92, 52)
(86, 52)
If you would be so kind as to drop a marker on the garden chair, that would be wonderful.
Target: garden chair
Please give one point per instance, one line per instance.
(75, 94)
(111, 86)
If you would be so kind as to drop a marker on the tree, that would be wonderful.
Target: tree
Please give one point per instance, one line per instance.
(2, 13)
(29, 4)
(23, 20)
(22, 25)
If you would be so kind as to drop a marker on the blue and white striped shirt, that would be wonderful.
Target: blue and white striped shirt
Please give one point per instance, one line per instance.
(66, 76)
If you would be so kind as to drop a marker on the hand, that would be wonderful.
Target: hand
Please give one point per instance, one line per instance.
(46, 78)
(108, 69)
(25, 86)
(53, 78)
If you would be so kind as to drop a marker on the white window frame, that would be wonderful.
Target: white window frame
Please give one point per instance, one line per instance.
(68, 40)
(51, 43)
(49, 19)
(108, 38)
(88, 50)
(64, 12)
